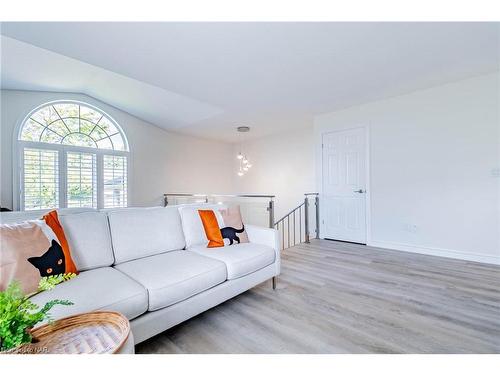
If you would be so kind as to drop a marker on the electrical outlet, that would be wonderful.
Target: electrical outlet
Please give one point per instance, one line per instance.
(411, 228)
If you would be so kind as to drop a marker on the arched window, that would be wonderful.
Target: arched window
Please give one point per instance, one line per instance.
(72, 155)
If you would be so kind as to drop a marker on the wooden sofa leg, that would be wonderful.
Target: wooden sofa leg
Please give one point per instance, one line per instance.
(275, 281)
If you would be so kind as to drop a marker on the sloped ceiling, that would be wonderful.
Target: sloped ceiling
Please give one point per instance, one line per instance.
(205, 79)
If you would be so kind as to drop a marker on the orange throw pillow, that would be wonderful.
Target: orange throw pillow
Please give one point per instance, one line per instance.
(211, 227)
(52, 220)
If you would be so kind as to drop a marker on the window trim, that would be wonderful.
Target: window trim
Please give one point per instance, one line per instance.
(18, 158)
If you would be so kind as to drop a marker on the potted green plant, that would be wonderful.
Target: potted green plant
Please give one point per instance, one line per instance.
(18, 315)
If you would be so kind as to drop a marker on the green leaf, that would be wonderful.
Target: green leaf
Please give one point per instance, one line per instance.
(18, 313)
(49, 282)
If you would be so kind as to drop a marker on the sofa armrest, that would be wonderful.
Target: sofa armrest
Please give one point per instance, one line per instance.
(268, 237)
(263, 236)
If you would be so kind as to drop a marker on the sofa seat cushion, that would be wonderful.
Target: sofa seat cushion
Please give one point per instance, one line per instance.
(240, 259)
(98, 289)
(174, 276)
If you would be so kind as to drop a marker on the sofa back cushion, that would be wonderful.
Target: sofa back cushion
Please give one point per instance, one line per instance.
(14, 217)
(141, 232)
(86, 230)
(192, 226)
(89, 239)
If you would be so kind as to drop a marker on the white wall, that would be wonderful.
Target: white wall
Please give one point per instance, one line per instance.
(283, 164)
(433, 158)
(433, 154)
(160, 161)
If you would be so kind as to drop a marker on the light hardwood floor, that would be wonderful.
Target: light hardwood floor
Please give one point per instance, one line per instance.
(334, 297)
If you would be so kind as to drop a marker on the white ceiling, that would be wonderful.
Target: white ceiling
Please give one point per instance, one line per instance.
(207, 78)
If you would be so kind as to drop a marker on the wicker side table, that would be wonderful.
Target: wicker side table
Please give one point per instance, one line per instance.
(98, 332)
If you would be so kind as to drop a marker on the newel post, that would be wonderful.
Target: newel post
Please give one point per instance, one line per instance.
(306, 218)
(270, 209)
(316, 201)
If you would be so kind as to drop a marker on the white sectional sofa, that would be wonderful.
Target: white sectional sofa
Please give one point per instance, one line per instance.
(152, 265)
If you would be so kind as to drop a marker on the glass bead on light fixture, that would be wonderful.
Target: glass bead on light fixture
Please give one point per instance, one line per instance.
(244, 163)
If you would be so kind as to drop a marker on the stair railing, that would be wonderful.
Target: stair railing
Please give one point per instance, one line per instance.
(206, 198)
(294, 227)
(295, 224)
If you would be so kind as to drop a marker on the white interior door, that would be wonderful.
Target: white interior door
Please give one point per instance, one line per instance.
(344, 185)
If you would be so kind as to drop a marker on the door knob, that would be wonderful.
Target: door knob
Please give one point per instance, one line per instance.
(360, 191)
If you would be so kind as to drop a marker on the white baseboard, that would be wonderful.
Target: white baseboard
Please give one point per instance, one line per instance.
(447, 253)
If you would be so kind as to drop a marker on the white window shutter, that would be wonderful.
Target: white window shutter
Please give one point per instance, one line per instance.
(115, 181)
(40, 179)
(81, 179)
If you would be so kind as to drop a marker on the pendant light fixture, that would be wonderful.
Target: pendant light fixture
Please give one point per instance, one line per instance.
(244, 164)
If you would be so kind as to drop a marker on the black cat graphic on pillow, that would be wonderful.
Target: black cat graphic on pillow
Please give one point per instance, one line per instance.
(50, 263)
(230, 234)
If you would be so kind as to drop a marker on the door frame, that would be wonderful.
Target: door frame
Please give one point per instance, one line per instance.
(368, 210)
